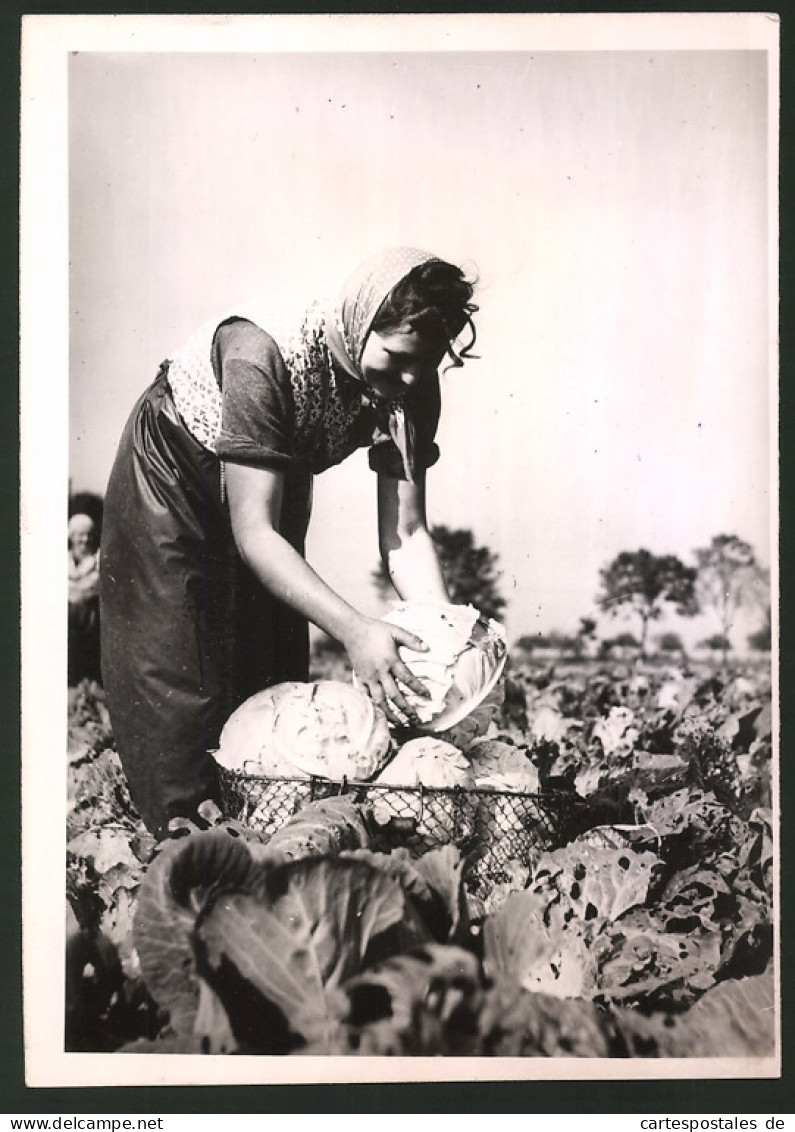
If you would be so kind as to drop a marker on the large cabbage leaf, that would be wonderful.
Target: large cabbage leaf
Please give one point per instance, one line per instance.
(434, 882)
(423, 1002)
(543, 937)
(525, 1023)
(435, 1002)
(481, 720)
(277, 956)
(443, 870)
(322, 828)
(639, 961)
(521, 947)
(736, 1019)
(173, 889)
(594, 882)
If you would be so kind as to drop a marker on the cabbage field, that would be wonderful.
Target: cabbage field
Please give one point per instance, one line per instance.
(637, 920)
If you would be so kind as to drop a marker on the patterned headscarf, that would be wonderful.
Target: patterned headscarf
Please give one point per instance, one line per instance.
(349, 324)
(365, 290)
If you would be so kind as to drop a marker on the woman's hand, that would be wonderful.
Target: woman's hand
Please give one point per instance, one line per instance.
(373, 650)
(255, 497)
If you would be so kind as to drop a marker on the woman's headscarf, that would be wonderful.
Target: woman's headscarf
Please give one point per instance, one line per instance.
(365, 290)
(349, 324)
(80, 524)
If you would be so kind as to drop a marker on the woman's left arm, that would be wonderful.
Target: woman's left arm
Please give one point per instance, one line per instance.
(407, 549)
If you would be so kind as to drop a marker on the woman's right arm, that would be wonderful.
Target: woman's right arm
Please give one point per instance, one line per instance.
(255, 500)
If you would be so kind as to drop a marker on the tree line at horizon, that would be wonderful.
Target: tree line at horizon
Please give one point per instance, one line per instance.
(638, 585)
(725, 579)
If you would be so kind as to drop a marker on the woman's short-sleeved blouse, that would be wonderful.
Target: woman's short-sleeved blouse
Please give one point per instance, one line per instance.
(272, 398)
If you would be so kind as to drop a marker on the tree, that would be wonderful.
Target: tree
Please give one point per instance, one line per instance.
(671, 643)
(553, 640)
(716, 643)
(643, 583)
(624, 642)
(729, 579)
(470, 572)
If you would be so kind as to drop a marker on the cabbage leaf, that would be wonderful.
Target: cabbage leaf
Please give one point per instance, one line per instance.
(290, 944)
(172, 891)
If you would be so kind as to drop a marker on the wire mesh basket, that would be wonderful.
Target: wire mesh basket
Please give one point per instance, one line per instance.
(497, 831)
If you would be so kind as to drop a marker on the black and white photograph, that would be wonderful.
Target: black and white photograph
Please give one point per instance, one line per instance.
(411, 398)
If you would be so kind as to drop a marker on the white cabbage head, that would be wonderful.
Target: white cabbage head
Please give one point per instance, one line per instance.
(435, 765)
(293, 730)
(427, 761)
(466, 657)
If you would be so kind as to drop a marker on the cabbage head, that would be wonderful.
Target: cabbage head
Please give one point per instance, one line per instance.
(293, 730)
(466, 657)
(438, 766)
(427, 761)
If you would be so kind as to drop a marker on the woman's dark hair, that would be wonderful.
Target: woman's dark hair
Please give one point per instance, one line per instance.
(434, 299)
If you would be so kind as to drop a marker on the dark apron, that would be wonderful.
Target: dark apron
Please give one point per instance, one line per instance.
(187, 631)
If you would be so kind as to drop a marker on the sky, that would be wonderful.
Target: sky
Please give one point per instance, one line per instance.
(613, 201)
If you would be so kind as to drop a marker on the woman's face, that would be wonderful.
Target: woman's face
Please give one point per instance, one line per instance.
(81, 542)
(394, 361)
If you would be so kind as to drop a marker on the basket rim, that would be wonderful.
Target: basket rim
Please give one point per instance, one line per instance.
(542, 797)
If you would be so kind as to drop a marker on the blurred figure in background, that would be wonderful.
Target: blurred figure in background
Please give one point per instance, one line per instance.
(83, 641)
